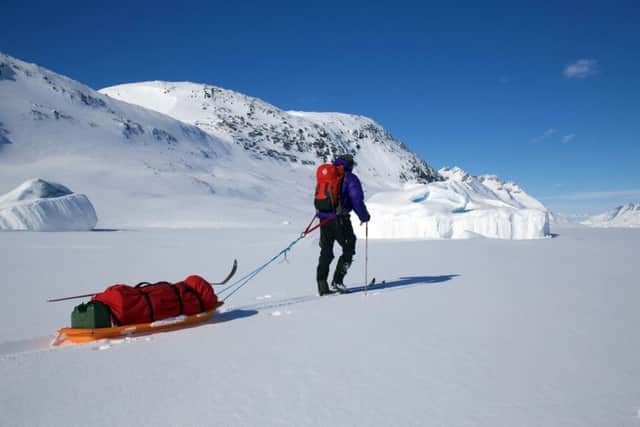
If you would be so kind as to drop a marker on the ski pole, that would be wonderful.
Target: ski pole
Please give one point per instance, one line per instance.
(366, 257)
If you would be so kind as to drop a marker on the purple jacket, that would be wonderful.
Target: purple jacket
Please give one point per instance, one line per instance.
(351, 195)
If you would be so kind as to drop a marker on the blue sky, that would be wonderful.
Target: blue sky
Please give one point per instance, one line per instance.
(547, 96)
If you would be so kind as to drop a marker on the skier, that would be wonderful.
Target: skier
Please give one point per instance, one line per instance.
(340, 229)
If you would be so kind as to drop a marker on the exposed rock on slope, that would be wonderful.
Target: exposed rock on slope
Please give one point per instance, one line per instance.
(266, 131)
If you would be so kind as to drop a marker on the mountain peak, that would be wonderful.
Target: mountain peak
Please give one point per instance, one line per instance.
(455, 173)
(627, 215)
(206, 155)
(268, 132)
(508, 191)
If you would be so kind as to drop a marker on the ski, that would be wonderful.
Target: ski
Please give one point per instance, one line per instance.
(73, 297)
(230, 275)
(358, 288)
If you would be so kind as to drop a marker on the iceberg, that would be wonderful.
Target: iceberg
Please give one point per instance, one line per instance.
(461, 207)
(38, 205)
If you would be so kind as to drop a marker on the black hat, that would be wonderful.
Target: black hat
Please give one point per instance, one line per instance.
(347, 158)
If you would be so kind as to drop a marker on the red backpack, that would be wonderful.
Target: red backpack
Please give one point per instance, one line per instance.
(328, 184)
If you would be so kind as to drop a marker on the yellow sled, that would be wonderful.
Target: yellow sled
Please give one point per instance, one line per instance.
(81, 335)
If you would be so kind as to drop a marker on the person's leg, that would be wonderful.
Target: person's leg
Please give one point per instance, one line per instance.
(347, 240)
(327, 237)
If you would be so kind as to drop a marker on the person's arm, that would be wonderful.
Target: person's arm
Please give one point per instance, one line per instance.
(357, 198)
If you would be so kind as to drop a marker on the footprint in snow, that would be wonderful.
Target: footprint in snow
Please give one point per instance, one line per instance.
(117, 341)
(106, 345)
(280, 313)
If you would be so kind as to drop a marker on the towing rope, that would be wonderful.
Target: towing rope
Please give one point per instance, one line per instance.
(238, 284)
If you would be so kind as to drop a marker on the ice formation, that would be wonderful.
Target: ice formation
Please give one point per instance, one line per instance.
(461, 207)
(39, 205)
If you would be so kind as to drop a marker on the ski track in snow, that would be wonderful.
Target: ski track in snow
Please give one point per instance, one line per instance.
(478, 332)
(281, 309)
(13, 348)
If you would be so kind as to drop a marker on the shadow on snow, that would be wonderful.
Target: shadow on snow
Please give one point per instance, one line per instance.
(226, 316)
(402, 282)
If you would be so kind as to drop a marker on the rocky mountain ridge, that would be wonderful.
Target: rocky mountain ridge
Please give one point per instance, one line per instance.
(266, 131)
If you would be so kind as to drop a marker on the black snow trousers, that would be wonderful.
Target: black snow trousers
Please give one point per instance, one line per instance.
(339, 230)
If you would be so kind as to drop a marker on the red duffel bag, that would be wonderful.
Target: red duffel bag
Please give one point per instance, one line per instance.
(147, 302)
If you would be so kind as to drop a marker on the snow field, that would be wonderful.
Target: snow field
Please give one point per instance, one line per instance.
(464, 332)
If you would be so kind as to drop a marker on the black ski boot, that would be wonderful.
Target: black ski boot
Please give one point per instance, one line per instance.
(323, 288)
(337, 284)
(339, 287)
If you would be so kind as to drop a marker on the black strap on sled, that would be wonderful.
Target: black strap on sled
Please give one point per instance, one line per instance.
(186, 287)
(193, 291)
(173, 286)
(146, 297)
(177, 292)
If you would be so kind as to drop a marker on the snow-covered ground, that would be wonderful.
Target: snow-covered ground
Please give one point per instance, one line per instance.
(475, 332)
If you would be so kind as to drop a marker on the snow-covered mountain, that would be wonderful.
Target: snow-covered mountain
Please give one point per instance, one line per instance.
(460, 207)
(143, 168)
(137, 166)
(193, 155)
(622, 216)
(560, 219)
(493, 188)
(266, 131)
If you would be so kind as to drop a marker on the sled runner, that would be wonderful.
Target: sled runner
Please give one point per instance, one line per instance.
(82, 335)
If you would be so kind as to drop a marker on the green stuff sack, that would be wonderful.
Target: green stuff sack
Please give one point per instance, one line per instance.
(91, 315)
